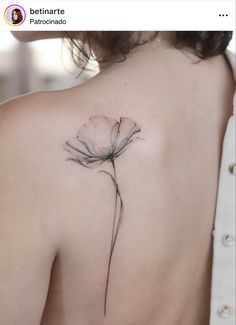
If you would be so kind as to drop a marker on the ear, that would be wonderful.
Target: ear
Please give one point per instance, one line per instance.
(29, 36)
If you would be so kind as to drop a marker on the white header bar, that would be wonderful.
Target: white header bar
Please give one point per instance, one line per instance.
(117, 15)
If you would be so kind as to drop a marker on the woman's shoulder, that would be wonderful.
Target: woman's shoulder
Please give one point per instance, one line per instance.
(27, 104)
(32, 133)
(34, 112)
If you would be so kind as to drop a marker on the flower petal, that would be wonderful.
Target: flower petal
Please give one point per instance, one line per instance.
(89, 146)
(95, 163)
(76, 148)
(114, 133)
(122, 143)
(79, 162)
(128, 128)
(91, 163)
(124, 148)
(101, 139)
(97, 134)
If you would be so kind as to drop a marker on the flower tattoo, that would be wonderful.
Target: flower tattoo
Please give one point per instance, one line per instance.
(104, 139)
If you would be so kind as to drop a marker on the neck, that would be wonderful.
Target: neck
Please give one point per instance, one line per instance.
(162, 37)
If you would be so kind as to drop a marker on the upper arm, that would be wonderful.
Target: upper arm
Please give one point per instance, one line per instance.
(27, 246)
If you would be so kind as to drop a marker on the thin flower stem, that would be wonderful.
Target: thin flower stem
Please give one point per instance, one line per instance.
(119, 221)
(121, 206)
(115, 212)
(113, 239)
(107, 280)
(113, 246)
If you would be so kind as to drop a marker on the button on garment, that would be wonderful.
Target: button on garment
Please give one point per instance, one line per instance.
(223, 264)
(228, 240)
(224, 311)
(232, 169)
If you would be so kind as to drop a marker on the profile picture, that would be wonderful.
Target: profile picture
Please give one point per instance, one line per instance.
(15, 15)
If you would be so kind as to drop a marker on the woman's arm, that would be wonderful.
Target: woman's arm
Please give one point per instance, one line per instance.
(29, 36)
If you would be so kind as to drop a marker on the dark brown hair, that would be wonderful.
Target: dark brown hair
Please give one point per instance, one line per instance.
(19, 16)
(204, 44)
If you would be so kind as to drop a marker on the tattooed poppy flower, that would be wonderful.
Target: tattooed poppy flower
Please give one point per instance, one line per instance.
(101, 139)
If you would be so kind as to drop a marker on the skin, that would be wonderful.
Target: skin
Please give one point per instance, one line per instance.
(56, 216)
(14, 16)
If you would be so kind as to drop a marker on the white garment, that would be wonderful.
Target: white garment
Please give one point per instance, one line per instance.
(223, 267)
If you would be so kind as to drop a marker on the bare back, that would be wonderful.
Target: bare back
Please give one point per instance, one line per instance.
(160, 269)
